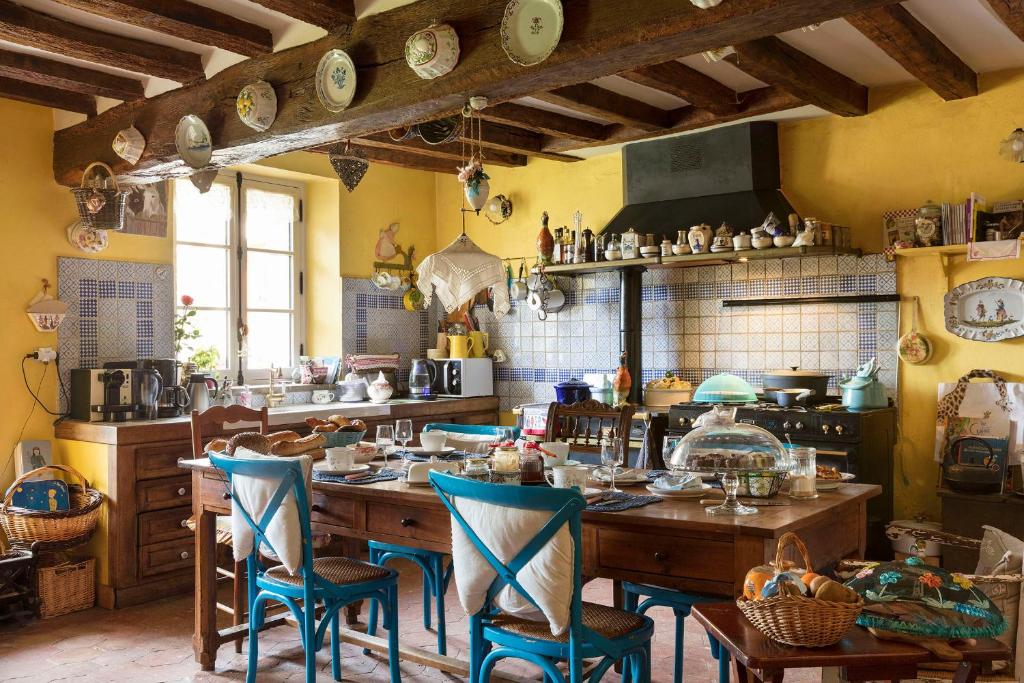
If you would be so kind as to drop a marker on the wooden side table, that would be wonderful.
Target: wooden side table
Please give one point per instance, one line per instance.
(859, 655)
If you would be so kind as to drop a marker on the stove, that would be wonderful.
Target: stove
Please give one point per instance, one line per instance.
(857, 442)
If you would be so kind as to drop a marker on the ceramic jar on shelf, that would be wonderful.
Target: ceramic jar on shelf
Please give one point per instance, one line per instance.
(699, 238)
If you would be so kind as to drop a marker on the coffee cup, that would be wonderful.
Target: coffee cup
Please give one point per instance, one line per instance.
(323, 396)
(559, 449)
(568, 477)
(519, 290)
(341, 459)
(433, 442)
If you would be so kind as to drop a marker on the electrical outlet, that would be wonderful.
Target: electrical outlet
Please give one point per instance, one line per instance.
(45, 354)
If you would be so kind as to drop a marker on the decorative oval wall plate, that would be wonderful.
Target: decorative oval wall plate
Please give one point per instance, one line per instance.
(432, 52)
(129, 144)
(193, 141)
(990, 309)
(335, 80)
(531, 29)
(256, 105)
(87, 239)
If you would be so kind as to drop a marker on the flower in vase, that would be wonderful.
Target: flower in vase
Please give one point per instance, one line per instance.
(472, 174)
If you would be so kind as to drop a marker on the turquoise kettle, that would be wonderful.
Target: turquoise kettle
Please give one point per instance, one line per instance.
(863, 391)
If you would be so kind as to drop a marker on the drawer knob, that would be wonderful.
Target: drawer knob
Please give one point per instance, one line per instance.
(408, 521)
(660, 556)
(226, 495)
(184, 554)
(316, 508)
(181, 459)
(184, 524)
(181, 491)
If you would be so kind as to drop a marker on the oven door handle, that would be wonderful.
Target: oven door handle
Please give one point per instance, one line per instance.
(833, 454)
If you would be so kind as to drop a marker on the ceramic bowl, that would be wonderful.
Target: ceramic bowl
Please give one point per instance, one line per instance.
(432, 52)
(680, 249)
(784, 241)
(129, 144)
(256, 105)
(611, 255)
(650, 251)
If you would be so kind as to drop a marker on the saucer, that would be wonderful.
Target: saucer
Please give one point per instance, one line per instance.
(420, 450)
(324, 467)
(681, 493)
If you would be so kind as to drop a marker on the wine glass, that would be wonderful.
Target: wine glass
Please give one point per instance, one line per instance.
(611, 457)
(403, 432)
(385, 440)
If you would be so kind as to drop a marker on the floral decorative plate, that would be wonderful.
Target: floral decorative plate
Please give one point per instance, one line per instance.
(989, 309)
(256, 105)
(914, 348)
(193, 141)
(336, 80)
(87, 239)
(531, 29)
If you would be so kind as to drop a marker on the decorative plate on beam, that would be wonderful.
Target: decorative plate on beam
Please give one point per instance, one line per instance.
(336, 80)
(990, 309)
(531, 29)
(193, 142)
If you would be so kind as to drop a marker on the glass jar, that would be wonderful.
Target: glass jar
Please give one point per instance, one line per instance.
(803, 473)
(477, 468)
(531, 466)
(505, 466)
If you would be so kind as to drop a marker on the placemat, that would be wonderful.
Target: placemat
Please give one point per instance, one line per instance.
(617, 502)
(654, 474)
(380, 475)
(416, 457)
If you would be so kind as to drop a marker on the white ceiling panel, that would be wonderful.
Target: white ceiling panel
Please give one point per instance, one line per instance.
(533, 102)
(971, 30)
(620, 85)
(723, 72)
(841, 47)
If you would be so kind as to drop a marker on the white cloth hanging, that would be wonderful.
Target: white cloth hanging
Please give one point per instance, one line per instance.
(459, 272)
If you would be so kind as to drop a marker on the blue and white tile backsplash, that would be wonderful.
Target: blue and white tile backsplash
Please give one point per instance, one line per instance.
(686, 329)
(118, 310)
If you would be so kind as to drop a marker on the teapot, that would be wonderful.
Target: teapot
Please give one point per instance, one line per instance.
(863, 391)
(380, 389)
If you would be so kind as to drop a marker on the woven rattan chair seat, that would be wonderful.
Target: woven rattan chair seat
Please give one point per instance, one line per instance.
(607, 621)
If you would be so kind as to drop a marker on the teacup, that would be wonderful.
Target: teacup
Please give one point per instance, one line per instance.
(518, 291)
(433, 442)
(568, 477)
(323, 396)
(341, 459)
(560, 450)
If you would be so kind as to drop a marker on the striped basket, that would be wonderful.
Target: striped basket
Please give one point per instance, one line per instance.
(67, 588)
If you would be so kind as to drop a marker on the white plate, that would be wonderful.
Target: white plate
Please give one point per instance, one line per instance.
(324, 467)
(420, 450)
(336, 80)
(568, 463)
(531, 29)
(682, 493)
(990, 309)
(193, 142)
(632, 477)
(833, 484)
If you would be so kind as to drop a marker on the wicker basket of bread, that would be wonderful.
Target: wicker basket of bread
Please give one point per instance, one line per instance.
(335, 431)
(798, 607)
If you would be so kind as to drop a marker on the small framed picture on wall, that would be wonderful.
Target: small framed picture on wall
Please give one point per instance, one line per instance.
(31, 455)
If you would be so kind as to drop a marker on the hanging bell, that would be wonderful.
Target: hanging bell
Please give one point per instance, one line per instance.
(349, 163)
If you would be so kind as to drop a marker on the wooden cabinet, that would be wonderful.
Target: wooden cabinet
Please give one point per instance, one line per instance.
(408, 522)
(150, 549)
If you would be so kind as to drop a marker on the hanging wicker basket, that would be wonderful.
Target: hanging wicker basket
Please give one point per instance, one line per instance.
(798, 620)
(100, 200)
(23, 525)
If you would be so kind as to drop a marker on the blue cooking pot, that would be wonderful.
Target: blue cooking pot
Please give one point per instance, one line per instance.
(572, 391)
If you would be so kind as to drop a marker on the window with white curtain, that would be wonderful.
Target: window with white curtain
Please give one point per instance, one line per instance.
(238, 254)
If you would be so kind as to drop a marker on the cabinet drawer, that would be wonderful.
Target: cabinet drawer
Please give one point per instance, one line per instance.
(697, 558)
(160, 494)
(410, 522)
(164, 525)
(333, 511)
(154, 462)
(158, 558)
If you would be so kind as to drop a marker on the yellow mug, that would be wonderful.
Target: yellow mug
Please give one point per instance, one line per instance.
(481, 344)
(459, 346)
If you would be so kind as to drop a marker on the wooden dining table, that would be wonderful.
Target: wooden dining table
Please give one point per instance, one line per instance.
(673, 543)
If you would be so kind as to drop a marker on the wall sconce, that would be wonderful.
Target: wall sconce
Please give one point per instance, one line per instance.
(45, 312)
(498, 209)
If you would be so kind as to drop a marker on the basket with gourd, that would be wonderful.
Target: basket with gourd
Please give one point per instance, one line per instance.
(797, 606)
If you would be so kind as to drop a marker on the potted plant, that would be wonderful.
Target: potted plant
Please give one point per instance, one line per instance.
(475, 183)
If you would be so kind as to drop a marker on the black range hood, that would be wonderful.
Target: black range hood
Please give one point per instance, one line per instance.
(729, 174)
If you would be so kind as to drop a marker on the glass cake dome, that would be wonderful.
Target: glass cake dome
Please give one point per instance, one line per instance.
(722, 446)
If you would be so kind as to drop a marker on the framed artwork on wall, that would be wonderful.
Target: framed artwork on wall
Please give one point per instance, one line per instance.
(146, 212)
(32, 455)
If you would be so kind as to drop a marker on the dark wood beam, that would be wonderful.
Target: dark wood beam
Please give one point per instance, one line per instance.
(1012, 14)
(328, 14)
(679, 80)
(32, 69)
(185, 20)
(596, 41)
(778, 63)
(403, 159)
(543, 121)
(588, 98)
(27, 27)
(755, 103)
(452, 151)
(918, 50)
(48, 97)
(499, 138)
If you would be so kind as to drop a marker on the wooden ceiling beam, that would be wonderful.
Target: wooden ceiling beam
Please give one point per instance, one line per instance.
(402, 159)
(679, 80)
(755, 103)
(328, 14)
(917, 50)
(23, 26)
(499, 138)
(185, 20)
(452, 151)
(1012, 14)
(607, 38)
(32, 69)
(588, 98)
(777, 63)
(46, 96)
(544, 122)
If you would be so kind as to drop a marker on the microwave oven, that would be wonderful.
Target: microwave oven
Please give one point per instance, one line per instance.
(462, 377)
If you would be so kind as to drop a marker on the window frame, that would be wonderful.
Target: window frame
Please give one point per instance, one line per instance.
(238, 252)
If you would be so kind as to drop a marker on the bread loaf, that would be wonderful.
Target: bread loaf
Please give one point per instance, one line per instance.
(353, 426)
(251, 440)
(339, 420)
(329, 427)
(282, 436)
(299, 446)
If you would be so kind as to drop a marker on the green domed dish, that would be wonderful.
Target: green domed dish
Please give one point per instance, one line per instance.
(725, 388)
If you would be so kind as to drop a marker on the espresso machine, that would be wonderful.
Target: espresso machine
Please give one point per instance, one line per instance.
(102, 394)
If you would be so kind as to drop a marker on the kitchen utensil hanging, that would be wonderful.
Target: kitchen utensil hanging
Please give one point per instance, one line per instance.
(914, 347)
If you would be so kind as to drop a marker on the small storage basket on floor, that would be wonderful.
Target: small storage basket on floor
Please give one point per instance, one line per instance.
(67, 588)
(23, 525)
(799, 620)
(101, 202)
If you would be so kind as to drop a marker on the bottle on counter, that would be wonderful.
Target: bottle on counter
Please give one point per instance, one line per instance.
(556, 255)
(545, 241)
(570, 246)
(599, 247)
(589, 246)
(622, 383)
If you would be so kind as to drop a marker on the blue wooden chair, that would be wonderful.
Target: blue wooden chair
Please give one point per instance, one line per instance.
(594, 631)
(332, 581)
(680, 603)
(436, 577)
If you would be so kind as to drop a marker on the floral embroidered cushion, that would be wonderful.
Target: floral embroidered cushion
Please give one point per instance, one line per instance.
(914, 598)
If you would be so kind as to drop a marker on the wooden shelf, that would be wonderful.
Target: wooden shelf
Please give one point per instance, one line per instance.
(944, 250)
(694, 260)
